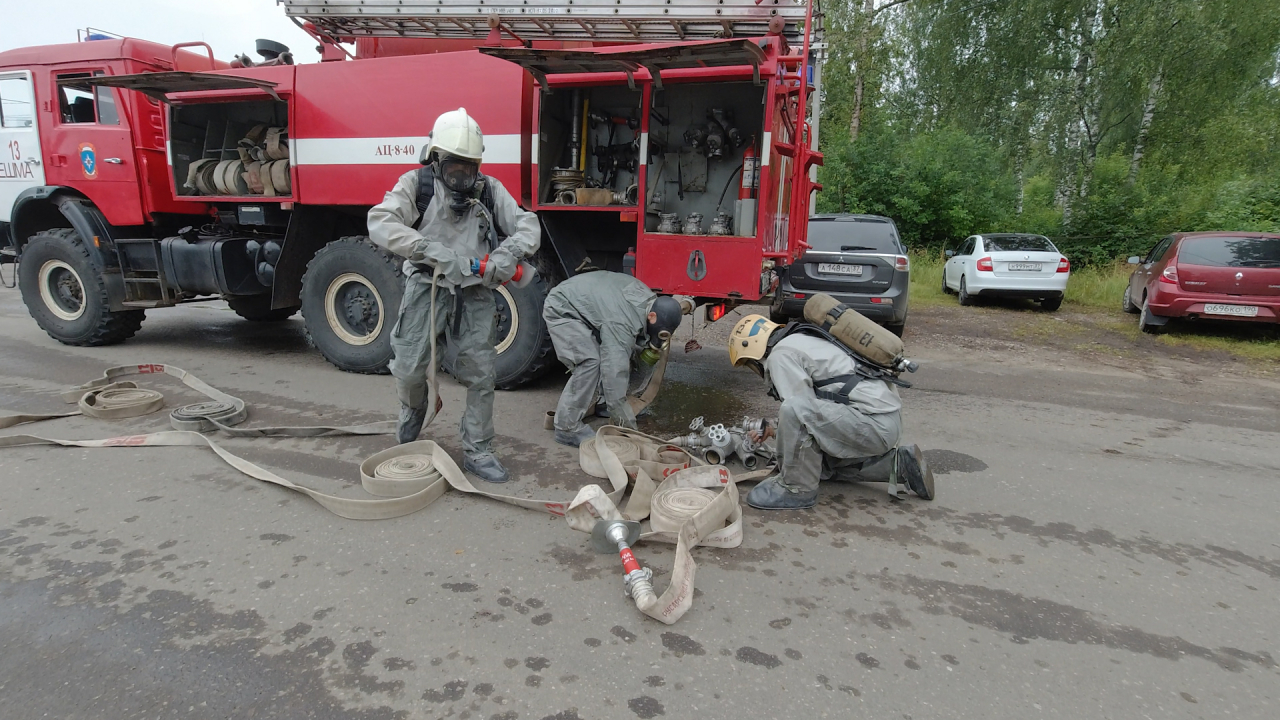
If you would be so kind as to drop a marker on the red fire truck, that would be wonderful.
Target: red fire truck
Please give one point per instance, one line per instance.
(667, 140)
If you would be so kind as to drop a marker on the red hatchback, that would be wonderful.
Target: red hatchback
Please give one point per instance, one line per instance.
(1210, 275)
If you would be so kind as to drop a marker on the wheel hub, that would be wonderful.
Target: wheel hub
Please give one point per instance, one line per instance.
(353, 308)
(61, 290)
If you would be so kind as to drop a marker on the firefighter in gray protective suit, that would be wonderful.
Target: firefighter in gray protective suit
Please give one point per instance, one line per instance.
(597, 322)
(833, 423)
(440, 232)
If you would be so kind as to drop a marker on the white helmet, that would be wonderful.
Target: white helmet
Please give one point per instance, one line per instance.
(456, 133)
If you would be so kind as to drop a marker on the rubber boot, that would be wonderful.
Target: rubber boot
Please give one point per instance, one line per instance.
(773, 494)
(486, 467)
(574, 438)
(914, 471)
(410, 424)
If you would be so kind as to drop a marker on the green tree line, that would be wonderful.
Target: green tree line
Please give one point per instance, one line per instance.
(1103, 124)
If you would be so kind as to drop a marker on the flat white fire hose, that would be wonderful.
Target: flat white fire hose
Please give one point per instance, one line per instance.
(686, 504)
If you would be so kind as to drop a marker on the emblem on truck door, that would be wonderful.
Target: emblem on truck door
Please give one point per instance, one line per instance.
(697, 266)
(89, 160)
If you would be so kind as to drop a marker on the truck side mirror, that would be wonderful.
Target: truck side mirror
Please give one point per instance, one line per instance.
(1135, 260)
(951, 253)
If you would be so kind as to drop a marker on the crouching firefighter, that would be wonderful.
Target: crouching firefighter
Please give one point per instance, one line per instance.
(597, 322)
(840, 416)
(440, 217)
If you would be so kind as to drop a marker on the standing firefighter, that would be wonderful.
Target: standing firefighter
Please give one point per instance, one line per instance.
(838, 415)
(441, 217)
(598, 321)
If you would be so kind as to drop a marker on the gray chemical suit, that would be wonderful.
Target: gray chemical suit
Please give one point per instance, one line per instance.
(465, 306)
(597, 320)
(819, 438)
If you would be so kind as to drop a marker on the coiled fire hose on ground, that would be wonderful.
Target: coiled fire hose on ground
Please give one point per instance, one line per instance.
(687, 505)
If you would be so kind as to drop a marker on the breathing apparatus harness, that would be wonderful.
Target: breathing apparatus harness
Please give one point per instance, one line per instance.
(481, 195)
(848, 381)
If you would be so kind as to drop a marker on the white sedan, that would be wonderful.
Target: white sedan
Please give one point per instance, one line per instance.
(1015, 265)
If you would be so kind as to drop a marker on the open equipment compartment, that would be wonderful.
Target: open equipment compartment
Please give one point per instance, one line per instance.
(704, 139)
(231, 149)
(589, 140)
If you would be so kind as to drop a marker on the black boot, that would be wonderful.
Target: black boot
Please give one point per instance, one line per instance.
(410, 424)
(914, 471)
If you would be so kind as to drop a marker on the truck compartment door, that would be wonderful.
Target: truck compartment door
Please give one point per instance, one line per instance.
(21, 164)
(705, 54)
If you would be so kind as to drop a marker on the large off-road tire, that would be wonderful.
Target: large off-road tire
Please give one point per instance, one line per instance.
(351, 294)
(257, 308)
(64, 291)
(525, 352)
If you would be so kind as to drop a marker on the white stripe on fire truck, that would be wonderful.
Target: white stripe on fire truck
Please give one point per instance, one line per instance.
(764, 151)
(499, 149)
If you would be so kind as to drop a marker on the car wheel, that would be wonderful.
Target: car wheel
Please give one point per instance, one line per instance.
(945, 290)
(1145, 323)
(64, 291)
(1126, 303)
(963, 293)
(897, 328)
(778, 316)
(1050, 304)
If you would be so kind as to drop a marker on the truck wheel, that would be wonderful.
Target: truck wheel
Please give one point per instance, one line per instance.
(524, 347)
(350, 298)
(64, 291)
(257, 308)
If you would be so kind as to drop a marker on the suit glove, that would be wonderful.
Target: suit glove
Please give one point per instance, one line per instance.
(432, 256)
(500, 268)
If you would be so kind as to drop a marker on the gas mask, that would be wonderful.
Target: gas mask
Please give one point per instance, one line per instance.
(459, 174)
(659, 331)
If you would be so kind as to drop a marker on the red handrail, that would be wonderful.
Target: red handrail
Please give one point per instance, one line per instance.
(213, 64)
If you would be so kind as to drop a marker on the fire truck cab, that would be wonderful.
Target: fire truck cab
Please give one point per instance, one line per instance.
(138, 176)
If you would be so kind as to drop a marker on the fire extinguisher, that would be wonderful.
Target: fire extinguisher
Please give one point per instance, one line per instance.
(750, 173)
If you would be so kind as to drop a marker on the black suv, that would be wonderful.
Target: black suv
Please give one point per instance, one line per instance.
(857, 259)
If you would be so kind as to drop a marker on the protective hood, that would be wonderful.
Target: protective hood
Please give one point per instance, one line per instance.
(669, 315)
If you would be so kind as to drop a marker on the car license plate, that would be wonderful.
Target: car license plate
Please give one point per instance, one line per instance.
(838, 269)
(1236, 310)
(1024, 267)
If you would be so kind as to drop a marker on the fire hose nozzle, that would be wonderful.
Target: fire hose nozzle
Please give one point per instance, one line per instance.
(525, 273)
(617, 536)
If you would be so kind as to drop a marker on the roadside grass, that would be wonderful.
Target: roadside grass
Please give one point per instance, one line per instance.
(1095, 292)
(926, 279)
(1097, 286)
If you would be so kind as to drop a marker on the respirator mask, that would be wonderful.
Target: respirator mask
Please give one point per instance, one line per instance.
(459, 175)
(668, 312)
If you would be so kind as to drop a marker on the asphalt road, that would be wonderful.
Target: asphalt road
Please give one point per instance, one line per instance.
(1104, 545)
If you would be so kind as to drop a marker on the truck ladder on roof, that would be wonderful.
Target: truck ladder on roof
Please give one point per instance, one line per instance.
(642, 21)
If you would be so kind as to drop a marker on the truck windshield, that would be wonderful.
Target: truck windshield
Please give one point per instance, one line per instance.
(857, 235)
(1231, 251)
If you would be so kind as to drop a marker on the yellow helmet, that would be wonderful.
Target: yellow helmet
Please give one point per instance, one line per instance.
(750, 341)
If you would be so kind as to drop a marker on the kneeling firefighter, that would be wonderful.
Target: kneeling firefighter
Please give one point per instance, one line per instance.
(840, 415)
(442, 217)
(598, 320)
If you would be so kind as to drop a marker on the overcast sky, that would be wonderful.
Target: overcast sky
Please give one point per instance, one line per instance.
(230, 26)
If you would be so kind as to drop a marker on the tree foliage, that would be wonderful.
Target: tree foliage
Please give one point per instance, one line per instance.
(1102, 123)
